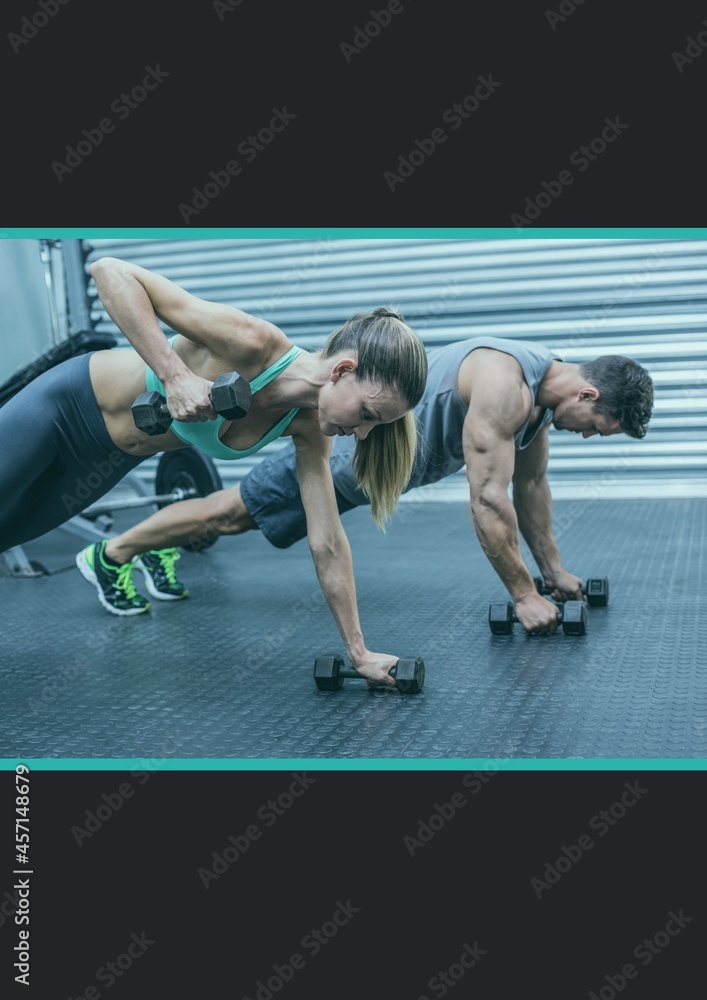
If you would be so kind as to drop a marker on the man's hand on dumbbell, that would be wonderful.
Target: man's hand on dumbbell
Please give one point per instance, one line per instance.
(564, 586)
(375, 667)
(536, 614)
(189, 398)
(595, 591)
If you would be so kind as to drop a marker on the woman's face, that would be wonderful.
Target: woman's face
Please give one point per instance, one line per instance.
(349, 406)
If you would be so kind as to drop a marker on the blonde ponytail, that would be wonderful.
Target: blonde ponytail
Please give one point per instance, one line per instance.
(383, 464)
(392, 355)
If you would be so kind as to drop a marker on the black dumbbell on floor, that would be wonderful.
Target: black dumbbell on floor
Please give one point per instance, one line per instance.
(595, 590)
(329, 673)
(572, 616)
(230, 397)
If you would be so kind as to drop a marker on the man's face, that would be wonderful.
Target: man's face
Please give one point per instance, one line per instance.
(578, 414)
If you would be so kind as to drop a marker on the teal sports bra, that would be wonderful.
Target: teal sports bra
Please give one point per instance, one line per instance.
(205, 435)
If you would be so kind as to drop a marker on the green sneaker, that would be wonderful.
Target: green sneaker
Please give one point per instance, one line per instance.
(116, 590)
(160, 578)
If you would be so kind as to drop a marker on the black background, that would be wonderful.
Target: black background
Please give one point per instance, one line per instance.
(355, 118)
(343, 839)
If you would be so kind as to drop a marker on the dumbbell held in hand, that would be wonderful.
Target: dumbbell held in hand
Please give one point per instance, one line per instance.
(230, 397)
(329, 673)
(595, 590)
(572, 616)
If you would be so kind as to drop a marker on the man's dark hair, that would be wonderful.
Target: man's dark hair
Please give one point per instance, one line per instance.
(625, 391)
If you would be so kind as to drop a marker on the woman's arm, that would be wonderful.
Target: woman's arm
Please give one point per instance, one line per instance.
(134, 298)
(331, 551)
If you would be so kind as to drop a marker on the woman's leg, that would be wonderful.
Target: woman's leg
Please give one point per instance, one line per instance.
(56, 457)
(28, 463)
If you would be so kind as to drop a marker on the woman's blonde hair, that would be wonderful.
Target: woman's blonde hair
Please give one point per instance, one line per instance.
(392, 355)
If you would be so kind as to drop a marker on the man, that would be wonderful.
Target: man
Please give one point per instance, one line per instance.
(488, 405)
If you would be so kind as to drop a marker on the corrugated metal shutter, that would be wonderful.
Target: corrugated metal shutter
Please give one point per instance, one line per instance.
(643, 298)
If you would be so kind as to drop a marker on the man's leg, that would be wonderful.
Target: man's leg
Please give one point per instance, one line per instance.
(220, 513)
(109, 565)
(268, 498)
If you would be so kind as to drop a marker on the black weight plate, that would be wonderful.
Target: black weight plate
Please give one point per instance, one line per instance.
(500, 618)
(326, 672)
(189, 469)
(598, 592)
(410, 675)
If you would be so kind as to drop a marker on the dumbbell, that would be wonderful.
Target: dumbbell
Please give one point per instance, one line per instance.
(572, 616)
(230, 397)
(329, 673)
(596, 591)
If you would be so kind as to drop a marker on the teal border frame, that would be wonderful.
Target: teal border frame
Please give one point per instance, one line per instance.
(338, 233)
(358, 763)
(355, 764)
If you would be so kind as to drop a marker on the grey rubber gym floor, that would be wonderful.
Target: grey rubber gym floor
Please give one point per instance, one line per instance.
(228, 671)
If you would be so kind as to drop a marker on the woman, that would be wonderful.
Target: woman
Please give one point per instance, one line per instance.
(70, 434)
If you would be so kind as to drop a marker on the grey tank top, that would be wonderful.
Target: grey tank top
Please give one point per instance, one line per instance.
(441, 411)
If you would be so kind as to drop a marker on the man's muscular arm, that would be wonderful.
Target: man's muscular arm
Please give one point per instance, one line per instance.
(499, 404)
(533, 504)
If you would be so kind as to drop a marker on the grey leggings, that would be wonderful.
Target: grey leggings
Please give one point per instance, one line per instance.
(56, 457)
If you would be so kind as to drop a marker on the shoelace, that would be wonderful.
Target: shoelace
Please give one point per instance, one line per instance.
(124, 580)
(168, 558)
